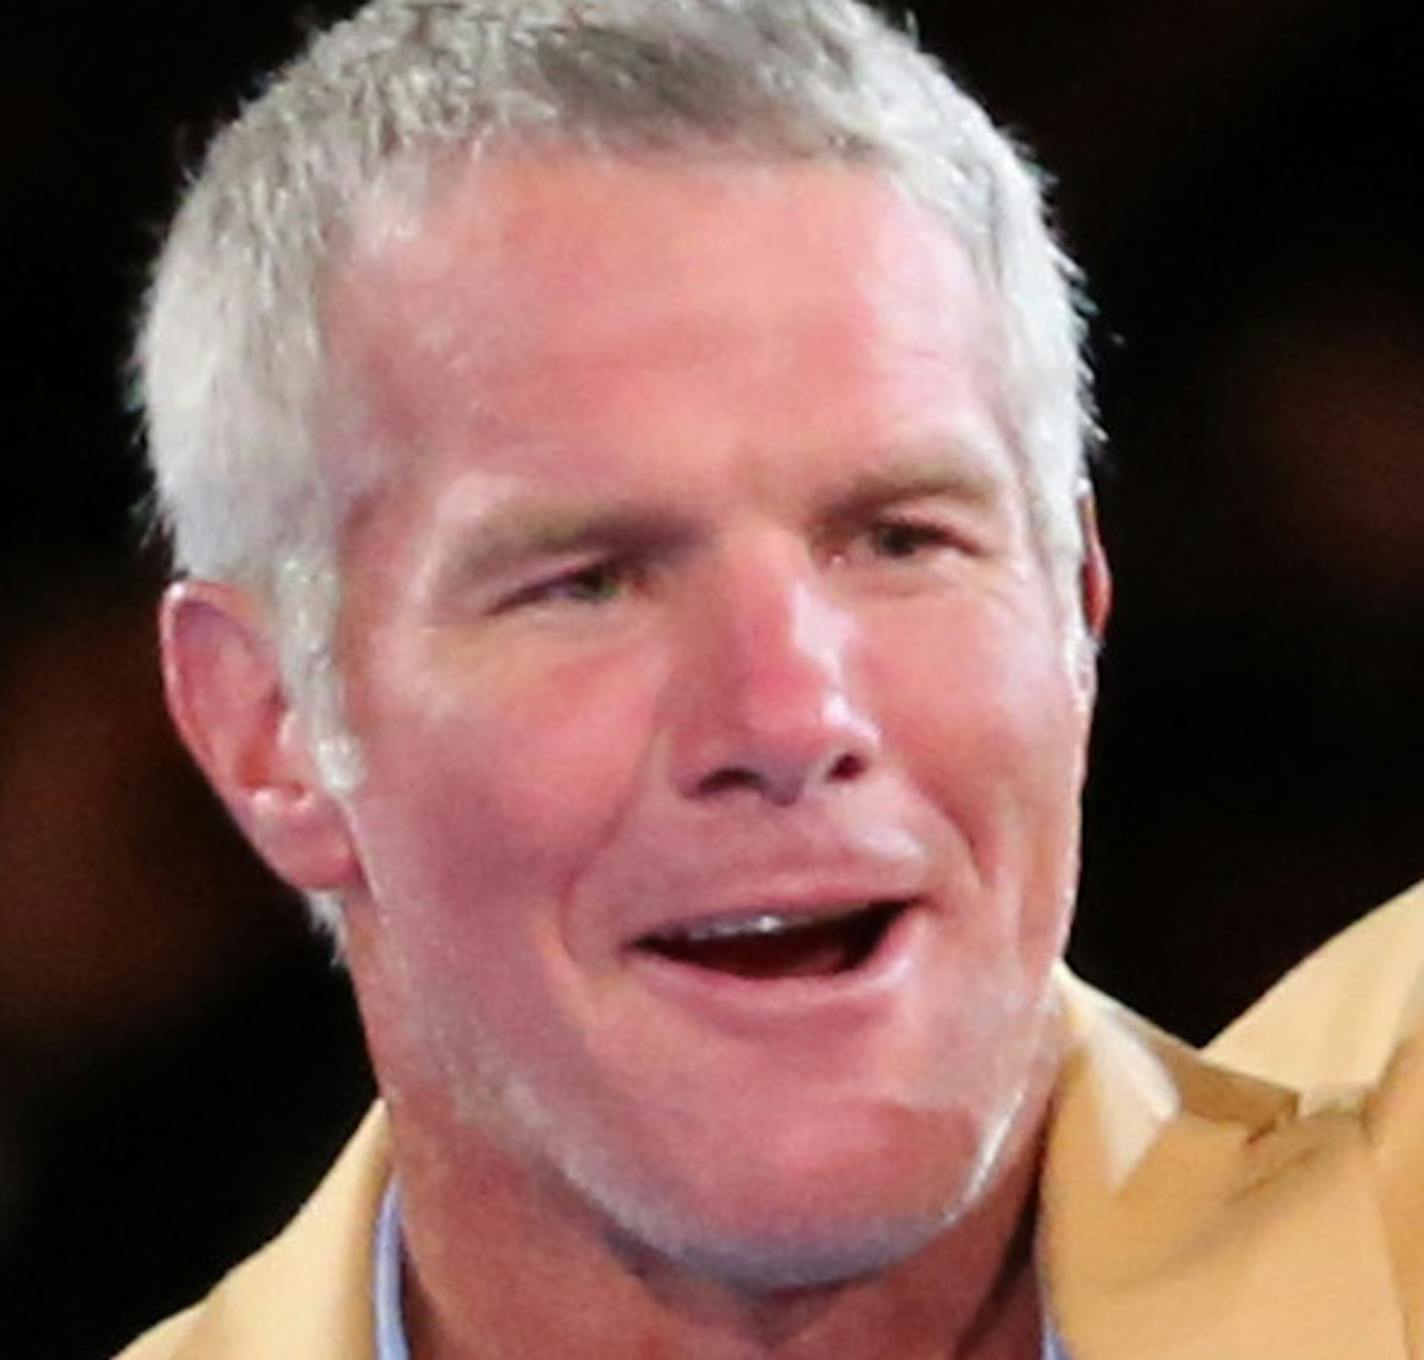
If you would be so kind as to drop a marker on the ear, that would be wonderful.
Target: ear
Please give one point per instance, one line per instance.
(224, 689)
(1094, 574)
(1094, 601)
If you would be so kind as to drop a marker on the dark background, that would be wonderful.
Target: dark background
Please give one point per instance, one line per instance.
(1242, 181)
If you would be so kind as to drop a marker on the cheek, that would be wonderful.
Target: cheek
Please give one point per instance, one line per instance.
(499, 774)
(983, 713)
(489, 793)
(982, 693)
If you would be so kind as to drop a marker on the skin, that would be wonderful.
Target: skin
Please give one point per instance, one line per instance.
(707, 584)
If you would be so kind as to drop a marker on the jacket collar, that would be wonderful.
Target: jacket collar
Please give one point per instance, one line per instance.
(1192, 1213)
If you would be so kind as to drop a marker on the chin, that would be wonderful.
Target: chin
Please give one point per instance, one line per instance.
(769, 1225)
(795, 1255)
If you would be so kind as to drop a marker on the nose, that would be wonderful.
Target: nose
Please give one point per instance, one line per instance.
(763, 696)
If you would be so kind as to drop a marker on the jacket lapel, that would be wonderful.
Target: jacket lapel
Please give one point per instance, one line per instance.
(1189, 1213)
(308, 1294)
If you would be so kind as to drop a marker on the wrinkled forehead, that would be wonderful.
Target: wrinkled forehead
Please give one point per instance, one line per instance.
(450, 195)
(530, 259)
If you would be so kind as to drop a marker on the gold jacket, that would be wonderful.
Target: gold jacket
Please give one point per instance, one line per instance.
(1261, 1200)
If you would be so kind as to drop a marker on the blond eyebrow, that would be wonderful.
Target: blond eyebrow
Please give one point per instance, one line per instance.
(916, 477)
(523, 528)
(519, 530)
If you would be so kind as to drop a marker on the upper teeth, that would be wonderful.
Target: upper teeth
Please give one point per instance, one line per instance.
(762, 923)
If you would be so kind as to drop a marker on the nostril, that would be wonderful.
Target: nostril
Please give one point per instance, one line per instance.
(732, 777)
(848, 765)
(786, 782)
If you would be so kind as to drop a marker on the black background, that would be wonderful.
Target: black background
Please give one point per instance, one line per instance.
(1241, 180)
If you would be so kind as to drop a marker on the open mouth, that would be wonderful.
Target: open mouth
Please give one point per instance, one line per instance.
(774, 945)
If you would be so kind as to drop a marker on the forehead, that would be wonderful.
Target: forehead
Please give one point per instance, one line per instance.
(533, 289)
(570, 220)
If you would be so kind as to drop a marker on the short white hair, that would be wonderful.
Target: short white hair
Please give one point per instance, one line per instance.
(229, 358)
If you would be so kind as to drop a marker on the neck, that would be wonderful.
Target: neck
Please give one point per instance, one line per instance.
(497, 1268)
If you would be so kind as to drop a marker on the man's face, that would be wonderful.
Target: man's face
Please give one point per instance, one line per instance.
(723, 744)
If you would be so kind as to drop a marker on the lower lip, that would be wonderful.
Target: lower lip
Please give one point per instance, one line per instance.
(738, 1002)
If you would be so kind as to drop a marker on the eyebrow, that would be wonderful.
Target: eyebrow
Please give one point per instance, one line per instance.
(936, 475)
(520, 529)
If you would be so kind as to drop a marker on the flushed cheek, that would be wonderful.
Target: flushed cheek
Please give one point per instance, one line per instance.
(989, 731)
(478, 820)
(505, 773)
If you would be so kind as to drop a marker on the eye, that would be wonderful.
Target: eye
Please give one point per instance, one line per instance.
(594, 584)
(902, 539)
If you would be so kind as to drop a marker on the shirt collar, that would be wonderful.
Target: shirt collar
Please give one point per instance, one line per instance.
(390, 1323)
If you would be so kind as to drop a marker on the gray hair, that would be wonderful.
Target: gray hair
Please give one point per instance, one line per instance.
(230, 354)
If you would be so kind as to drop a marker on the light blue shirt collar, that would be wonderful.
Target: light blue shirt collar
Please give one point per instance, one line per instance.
(390, 1326)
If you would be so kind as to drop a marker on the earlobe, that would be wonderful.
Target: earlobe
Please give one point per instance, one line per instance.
(224, 689)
